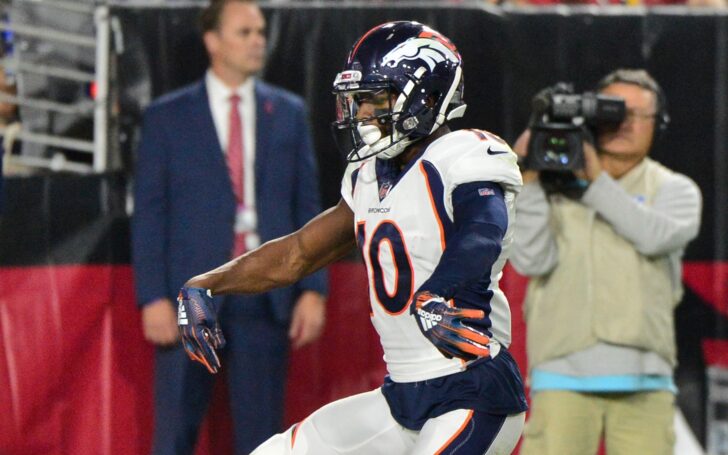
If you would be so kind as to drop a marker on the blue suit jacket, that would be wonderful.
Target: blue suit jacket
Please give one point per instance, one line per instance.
(184, 203)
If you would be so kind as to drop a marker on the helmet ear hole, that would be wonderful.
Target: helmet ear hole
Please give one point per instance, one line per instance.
(431, 100)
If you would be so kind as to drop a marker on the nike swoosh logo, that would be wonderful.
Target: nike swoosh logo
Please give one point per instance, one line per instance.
(496, 152)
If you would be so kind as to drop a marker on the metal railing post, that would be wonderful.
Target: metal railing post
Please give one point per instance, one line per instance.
(101, 106)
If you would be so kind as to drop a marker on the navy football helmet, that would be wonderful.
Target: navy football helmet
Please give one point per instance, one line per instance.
(411, 74)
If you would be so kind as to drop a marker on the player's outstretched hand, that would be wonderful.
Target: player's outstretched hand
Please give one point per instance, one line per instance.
(197, 322)
(444, 327)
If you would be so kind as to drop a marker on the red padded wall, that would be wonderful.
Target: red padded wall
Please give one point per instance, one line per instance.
(76, 373)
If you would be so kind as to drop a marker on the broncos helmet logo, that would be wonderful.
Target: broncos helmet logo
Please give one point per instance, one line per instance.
(430, 51)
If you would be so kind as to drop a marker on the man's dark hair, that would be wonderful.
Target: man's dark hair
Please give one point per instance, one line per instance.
(211, 14)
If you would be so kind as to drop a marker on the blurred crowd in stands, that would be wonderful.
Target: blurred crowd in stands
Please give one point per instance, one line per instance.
(707, 3)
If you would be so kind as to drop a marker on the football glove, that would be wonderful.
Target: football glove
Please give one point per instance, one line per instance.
(444, 327)
(198, 326)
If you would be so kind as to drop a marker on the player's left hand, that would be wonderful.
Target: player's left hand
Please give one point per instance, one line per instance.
(197, 322)
(444, 327)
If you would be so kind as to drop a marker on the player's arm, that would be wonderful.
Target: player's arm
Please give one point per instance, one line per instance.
(480, 222)
(277, 263)
(285, 260)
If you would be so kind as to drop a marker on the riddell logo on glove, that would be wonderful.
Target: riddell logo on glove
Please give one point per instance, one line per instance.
(181, 314)
(428, 320)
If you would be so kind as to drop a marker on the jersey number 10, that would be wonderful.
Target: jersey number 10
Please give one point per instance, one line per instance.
(394, 302)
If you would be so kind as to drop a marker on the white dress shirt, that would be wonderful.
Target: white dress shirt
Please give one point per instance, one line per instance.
(219, 97)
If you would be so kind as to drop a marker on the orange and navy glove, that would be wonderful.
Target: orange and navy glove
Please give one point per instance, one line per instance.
(197, 322)
(444, 327)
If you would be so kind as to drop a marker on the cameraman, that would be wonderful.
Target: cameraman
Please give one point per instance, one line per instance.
(605, 273)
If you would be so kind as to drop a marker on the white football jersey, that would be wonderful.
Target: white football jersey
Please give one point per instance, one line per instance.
(402, 231)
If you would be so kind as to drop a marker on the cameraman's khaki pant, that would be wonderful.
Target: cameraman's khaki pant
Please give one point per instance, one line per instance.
(572, 423)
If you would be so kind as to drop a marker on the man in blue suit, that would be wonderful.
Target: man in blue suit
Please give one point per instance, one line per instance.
(223, 165)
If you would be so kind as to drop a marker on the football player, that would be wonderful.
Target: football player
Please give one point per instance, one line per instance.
(430, 209)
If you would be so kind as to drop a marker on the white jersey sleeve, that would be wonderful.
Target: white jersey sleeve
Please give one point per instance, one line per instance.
(475, 156)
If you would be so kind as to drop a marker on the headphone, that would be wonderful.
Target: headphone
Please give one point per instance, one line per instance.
(642, 78)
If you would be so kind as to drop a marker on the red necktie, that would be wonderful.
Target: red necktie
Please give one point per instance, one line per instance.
(235, 166)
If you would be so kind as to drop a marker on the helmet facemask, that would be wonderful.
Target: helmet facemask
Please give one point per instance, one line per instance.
(366, 122)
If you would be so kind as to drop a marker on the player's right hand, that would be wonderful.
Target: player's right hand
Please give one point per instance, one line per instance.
(444, 327)
(197, 322)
